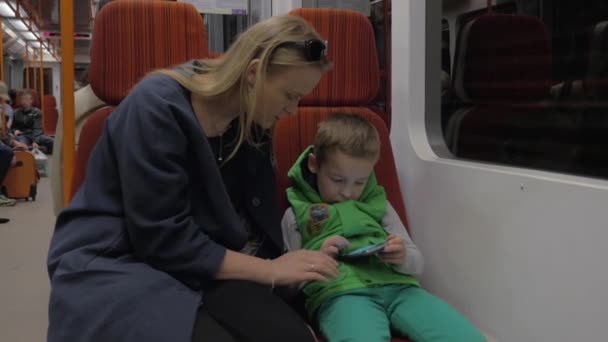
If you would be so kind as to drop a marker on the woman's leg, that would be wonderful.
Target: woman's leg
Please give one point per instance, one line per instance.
(208, 329)
(423, 317)
(251, 312)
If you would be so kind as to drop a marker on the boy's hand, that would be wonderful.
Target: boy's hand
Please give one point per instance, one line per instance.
(394, 253)
(334, 244)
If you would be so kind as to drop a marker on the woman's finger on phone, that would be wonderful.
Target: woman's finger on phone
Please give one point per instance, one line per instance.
(327, 266)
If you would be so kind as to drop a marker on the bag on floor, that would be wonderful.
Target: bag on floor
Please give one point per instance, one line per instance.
(41, 162)
(21, 181)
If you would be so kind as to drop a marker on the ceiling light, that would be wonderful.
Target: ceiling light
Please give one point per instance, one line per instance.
(10, 32)
(34, 44)
(27, 35)
(13, 5)
(18, 24)
(6, 11)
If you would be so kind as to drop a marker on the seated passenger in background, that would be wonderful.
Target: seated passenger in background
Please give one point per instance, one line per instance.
(85, 104)
(7, 160)
(5, 100)
(27, 124)
(337, 206)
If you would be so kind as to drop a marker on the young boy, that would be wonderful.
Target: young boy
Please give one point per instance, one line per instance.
(337, 206)
(27, 124)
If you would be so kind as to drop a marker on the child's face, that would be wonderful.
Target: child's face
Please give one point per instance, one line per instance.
(26, 101)
(341, 177)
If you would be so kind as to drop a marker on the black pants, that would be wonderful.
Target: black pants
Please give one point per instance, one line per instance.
(6, 156)
(244, 311)
(46, 142)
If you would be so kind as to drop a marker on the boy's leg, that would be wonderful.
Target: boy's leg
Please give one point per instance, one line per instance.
(354, 317)
(423, 317)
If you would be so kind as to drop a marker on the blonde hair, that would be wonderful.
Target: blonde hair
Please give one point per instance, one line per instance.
(264, 42)
(4, 91)
(348, 133)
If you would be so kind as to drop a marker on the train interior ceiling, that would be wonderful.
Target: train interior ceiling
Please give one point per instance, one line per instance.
(518, 85)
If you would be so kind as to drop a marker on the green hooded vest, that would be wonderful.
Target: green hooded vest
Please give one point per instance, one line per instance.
(358, 221)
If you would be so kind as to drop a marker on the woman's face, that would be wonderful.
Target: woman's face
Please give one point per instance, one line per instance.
(282, 91)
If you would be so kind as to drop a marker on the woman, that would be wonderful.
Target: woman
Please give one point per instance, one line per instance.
(174, 234)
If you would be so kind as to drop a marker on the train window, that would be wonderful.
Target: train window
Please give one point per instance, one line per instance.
(446, 62)
(376, 17)
(526, 83)
(48, 79)
(223, 29)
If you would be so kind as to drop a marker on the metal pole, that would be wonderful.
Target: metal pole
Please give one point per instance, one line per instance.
(34, 70)
(2, 78)
(27, 67)
(41, 92)
(67, 94)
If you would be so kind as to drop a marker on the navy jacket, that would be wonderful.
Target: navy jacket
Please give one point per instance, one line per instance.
(150, 225)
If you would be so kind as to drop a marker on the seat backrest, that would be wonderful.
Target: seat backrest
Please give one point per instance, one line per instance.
(355, 78)
(50, 114)
(596, 81)
(293, 134)
(350, 87)
(130, 39)
(90, 133)
(503, 58)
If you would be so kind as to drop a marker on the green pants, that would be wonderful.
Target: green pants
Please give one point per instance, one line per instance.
(369, 315)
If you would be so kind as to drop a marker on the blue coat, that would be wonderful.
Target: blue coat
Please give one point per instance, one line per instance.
(150, 225)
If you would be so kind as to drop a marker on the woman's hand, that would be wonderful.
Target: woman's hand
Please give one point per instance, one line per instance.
(302, 266)
(17, 132)
(394, 253)
(332, 245)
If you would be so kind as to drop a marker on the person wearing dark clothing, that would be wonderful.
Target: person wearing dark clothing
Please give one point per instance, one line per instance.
(27, 125)
(7, 159)
(175, 232)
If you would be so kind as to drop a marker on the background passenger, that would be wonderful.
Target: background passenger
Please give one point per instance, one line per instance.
(27, 124)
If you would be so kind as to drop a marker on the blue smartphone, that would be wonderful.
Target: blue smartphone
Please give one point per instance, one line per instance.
(365, 251)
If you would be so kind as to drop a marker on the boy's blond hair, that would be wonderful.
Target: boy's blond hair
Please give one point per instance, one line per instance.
(348, 133)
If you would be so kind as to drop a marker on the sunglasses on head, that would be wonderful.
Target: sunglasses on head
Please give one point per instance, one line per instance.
(314, 49)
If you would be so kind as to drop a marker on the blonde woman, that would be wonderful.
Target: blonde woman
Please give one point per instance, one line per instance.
(175, 234)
